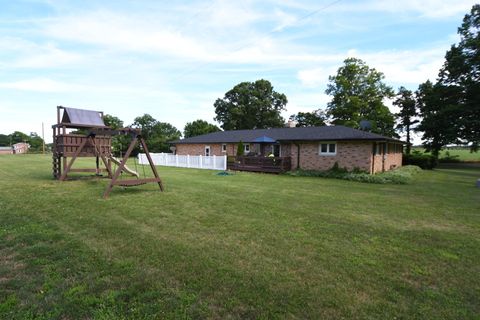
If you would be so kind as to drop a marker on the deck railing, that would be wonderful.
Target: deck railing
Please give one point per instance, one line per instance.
(261, 164)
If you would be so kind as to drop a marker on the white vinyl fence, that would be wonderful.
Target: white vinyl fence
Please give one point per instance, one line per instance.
(198, 162)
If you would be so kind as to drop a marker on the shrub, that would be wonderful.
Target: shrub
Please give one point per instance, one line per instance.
(240, 149)
(230, 159)
(424, 161)
(447, 158)
(402, 175)
(336, 168)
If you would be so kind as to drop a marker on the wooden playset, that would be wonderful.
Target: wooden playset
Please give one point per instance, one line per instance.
(95, 141)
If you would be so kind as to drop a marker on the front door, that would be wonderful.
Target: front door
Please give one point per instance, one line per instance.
(207, 151)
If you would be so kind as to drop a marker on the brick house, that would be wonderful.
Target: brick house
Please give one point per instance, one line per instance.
(17, 148)
(310, 148)
(21, 147)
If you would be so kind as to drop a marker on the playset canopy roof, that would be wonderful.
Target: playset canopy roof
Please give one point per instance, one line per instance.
(82, 118)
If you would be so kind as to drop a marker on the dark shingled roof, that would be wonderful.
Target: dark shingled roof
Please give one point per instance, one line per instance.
(82, 117)
(325, 133)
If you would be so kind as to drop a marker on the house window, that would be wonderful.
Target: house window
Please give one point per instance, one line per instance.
(224, 147)
(328, 148)
(394, 148)
(207, 151)
(276, 150)
(378, 148)
(246, 148)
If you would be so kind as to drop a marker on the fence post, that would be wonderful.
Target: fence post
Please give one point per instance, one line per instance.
(188, 161)
(201, 164)
(176, 160)
(224, 163)
(214, 162)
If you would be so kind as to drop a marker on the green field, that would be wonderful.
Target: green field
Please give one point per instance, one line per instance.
(462, 154)
(240, 246)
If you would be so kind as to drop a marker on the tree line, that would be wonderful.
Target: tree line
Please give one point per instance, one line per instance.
(33, 139)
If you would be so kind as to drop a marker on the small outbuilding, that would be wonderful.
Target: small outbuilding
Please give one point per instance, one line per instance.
(17, 148)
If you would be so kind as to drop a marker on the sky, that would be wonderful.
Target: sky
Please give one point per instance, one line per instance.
(173, 59)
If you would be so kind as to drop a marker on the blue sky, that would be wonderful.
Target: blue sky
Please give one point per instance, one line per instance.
(173, 59)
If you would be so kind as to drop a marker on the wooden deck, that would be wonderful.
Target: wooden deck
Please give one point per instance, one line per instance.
(261, 164)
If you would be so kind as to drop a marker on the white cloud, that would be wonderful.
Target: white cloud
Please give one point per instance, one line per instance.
(228, 14)
(284, 19)
(27, 54)
(40, 85)
(306, 102)
(407, 67)
(426, 8)
(315, 77)
(437, 9)
(124, 33)
(131, 34)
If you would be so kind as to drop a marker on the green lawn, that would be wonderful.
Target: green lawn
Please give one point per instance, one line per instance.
(462, 154)
(239, 246)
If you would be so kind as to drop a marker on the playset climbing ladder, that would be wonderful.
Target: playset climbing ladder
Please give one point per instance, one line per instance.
(94, 141)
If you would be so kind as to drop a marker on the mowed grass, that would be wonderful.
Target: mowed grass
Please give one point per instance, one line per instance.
(462, 154)
(241, 246)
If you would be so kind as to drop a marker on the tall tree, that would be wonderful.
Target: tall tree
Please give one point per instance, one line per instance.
(406, 117)
(163, 133)
(461, 73)
(112, 121)
(18, 136)
(157, 134)
(438, 110)
(358, 93)
(35, 142)
(251, 105)
(316, 118)
(146, 124)
(199, 127)
(4, 140)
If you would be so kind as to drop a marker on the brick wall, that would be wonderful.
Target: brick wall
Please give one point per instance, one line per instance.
(377, 163)
(286, 150)
(199, 149)
(349, 155)
(388, 159)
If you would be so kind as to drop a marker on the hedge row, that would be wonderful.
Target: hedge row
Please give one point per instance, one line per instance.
(424, 161)
(402, 175)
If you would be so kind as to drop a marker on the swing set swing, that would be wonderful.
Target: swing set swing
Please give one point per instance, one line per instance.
(134, 172)
(117, 178)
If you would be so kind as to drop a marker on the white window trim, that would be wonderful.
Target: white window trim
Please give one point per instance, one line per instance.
(245, 146)
(224, 147)
(331, 154)
(209, 151)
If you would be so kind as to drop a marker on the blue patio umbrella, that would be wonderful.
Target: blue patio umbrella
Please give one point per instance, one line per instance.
(264, 139)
